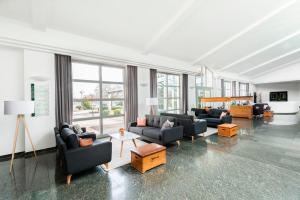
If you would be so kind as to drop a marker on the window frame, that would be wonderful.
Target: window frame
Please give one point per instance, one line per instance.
(100, 99)
(203, 87)
(167, 86)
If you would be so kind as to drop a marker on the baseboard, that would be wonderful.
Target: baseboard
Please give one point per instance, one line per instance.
(24, 154)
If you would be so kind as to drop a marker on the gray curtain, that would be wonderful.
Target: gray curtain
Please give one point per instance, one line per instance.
(247, 89)
(131, 94)
(185, 105)
(63, 89)
(153, 83)
(222, 88)
(234, 88)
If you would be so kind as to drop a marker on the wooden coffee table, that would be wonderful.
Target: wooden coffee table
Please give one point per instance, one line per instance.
(127, 136)
(227, 130)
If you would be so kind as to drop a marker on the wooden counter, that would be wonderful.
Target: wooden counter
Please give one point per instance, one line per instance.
(241, 111)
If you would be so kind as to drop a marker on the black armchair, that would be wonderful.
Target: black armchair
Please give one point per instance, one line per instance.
(75, 159)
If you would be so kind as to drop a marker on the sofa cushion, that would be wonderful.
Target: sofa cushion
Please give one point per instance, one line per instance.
(213, 120)
(137, 130)
(153, 120)
(156, 122)
(70, 138)
(63, 125)
(152, 132)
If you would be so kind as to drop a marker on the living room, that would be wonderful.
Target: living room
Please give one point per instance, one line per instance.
(149, 100)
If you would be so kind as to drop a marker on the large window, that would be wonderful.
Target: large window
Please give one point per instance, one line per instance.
(168, 92)
(98, 97)
(204, 83)
(227, 88)
(243, 89)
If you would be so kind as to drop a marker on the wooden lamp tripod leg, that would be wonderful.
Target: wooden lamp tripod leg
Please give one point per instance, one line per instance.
(14, 143)
(28, 134)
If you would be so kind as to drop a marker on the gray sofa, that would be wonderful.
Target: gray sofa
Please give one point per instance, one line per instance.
(152, 131)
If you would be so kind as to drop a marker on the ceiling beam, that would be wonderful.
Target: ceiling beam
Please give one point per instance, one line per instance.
(182, 14)
(275, 68)
(245, 30)
(260, 50)
(270, 61)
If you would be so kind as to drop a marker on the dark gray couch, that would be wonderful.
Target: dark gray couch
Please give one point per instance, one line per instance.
(74, 158)
(190, 128)
(213, 116)
(152, 131)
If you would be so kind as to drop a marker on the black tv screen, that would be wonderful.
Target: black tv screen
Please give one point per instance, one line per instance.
(279, 96)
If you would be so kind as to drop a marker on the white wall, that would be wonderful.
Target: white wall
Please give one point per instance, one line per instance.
(293, 89)
(11, 88)
(143, 91)
(41, 127)
(18, 67)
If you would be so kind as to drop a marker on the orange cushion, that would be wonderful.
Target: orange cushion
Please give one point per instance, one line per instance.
(141, 121)
(85, 142)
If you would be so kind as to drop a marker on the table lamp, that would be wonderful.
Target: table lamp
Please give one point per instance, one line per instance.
(152, 102)
(19, 108)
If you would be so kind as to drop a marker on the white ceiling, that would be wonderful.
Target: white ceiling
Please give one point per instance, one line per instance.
(249, 37)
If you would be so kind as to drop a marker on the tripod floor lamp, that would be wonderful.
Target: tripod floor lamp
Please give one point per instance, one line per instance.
(19, 108)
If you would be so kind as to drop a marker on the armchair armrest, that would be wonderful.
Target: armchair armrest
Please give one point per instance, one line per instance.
(87, 157)
(172, 134)
(130, 124)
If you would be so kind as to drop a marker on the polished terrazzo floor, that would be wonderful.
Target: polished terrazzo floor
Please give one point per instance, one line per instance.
(262, 162)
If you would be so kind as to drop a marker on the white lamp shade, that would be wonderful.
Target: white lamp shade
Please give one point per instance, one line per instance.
(18, 107)
(151, 101)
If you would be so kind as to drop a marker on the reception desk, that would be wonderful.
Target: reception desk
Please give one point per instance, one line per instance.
(284, 107)
(241, 111)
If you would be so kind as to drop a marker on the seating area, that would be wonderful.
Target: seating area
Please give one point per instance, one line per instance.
(151, 100)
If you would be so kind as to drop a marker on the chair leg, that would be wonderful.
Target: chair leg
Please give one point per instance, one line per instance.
(193, 139)
(178, 142)
(69, 179)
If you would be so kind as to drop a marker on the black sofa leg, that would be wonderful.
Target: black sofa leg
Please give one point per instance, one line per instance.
(69, 179)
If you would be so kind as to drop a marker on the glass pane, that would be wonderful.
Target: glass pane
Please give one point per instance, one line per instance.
(161, 80)
(209, 80)
(86, 90)
(207, 93)
(85, 71)
(173, 92)
(173, 104)
(111, 91)
(86, 108)
(162, 104)
(173, 80)
(90, 125)
(198, 81)
(112, 108)
(112, 125)
(112, 74)
(162, 92)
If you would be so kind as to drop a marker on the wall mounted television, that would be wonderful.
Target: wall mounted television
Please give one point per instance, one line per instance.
(279, 96)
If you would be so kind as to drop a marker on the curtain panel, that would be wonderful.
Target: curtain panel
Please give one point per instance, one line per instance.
(185, 105)
(153, 83)
(63, 89)
(131, 94)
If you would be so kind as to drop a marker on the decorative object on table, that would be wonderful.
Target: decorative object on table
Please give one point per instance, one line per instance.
(227, 130)
(40, 96)
(19, 108)
(85, 142)
(152, 102)
(121, 131)
(125, 137)
(148, 156)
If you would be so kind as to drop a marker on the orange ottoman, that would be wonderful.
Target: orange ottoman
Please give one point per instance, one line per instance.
(148, 156)
(227, 130)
